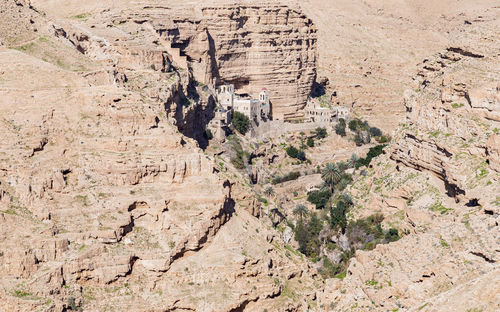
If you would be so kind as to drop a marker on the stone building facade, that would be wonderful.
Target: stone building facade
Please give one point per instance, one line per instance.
(219, 125)
(254, 109)
(314, 112)
(228, 102)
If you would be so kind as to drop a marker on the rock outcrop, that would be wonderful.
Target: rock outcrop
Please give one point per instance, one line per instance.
(271, 47)
(438, 183)
(253, 46)
(104, 204)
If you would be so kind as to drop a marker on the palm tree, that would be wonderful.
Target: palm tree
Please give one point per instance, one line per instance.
(353, 160)
(301, 211)
(269, 191)
(331, 175)
(347, 199)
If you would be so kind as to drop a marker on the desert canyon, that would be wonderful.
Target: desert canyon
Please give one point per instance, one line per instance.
(119, 192)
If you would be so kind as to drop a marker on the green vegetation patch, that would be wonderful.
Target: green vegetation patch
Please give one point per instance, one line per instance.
(241, 122)
(294, 175)
(82, 16)
(438, 207)
(372, 153)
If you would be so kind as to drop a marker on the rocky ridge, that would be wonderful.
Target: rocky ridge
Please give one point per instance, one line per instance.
(103, 203)
(439, 183)
(253, 46)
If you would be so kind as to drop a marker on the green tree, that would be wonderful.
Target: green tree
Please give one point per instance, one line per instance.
(269, 191)
(331, 174)
(338, 218)
(319, 198)
(310, 142)
(292, 151)
(241, 122)
(301, 236)
(301, 211)
(354, 124)
(347, 199)
(340, 129)
(376, 132)
(372, 153)
(358, 139)
(392, 235)
(353, 161)
(321, 133)
(314, 227)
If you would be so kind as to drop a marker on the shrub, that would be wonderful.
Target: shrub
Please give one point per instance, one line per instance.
(392, 235)
(241, 122)
(374, 131)
(319, 198)
(292, 151)
(354, 124)
(383, 139)
(238, 162)
(310, 142)
(340, 129)
(307, 235)
(301, 155)
(358, 139)
(71, 304)
(261, 199)
(329, 269)
(208, 134)
(369, 233)
(372, 153)
(338, 218)
(320, 133)
(367, 138)
(294, 175)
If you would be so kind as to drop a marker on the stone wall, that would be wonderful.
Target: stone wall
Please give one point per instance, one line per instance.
(276, 128)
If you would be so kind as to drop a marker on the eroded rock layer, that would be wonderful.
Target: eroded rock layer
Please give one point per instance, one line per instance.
(251, 46)
(104, 204)
(439, 184)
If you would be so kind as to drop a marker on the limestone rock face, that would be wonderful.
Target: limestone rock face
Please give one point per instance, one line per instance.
(439, 183)
(104, 204)
(253, 46)
(271, 47)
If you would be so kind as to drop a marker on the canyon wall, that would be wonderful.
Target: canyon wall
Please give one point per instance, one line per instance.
(438, 183)
(253, 47)
(104, 203)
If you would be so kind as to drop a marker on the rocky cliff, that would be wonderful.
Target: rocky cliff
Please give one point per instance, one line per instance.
(107, 204)
(253, 46)
(271, 47)
(439, 184)
(104, 204)
(267, 45)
